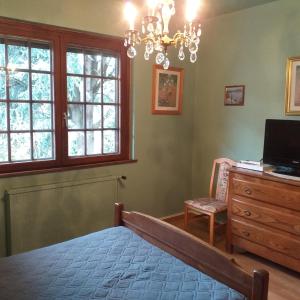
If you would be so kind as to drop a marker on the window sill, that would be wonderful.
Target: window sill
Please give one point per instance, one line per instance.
(66, 168)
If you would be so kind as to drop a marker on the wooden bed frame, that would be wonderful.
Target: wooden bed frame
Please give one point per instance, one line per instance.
(194, 252)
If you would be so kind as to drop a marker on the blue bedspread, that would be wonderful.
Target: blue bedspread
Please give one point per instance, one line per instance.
(114, 263)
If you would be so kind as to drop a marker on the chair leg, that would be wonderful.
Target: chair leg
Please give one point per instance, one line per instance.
(186, 216)
(211, 229)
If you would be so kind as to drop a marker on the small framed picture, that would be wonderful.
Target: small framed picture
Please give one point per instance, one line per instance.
(234, 95)
(167, 86)
(292, 98)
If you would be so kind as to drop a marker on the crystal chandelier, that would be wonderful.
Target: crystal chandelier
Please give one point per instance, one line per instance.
(155, 31)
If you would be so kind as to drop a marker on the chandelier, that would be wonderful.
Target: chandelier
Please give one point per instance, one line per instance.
(155, 31)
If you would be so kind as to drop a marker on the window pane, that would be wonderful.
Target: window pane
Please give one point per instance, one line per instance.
(93, 116)
(93, 102)
(40, 59)
(109, 91)
(93, 64)
(20, 146)
(109, 141)
(75, 116)
(19, 116)
(93, 89)
(3, 148)
(3, 115)
(93, 142)
(19, 86)
(41, 116)
(2, 55)
(74, 62)
(75, 88)
(2, 85)
(76, 143)
(42, 145)
(17, 57)
(41, 87)
(110, 67)
(109, 116)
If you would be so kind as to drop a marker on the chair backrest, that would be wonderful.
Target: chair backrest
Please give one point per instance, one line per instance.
(223, 165)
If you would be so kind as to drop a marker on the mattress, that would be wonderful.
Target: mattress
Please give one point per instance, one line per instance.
(114, 263)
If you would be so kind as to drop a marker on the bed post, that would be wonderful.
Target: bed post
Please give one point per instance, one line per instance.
(119, 207)
(260, 285)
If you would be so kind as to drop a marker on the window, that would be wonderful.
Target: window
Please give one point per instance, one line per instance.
(93, 102)
(26, 101)
(63, 98)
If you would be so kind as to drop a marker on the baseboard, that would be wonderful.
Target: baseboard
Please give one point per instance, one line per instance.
(172, 217)
(177, 216)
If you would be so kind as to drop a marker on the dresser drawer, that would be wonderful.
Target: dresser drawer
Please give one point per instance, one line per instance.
(271, 193)
(259, 234)
(266, 214)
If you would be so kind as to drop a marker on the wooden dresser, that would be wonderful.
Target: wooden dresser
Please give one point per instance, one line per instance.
(264, 216)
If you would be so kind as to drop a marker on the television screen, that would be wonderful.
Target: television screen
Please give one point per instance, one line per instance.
(282, 143)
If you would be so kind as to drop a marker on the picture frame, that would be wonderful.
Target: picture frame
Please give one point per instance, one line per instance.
(234, 95)
(167, 89)
(292, 94)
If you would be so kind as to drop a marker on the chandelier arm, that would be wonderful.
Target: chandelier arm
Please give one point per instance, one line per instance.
(181, 38)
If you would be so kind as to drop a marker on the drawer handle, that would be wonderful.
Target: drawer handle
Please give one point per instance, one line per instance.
(247, 213)
(248, 191)
(246, 233)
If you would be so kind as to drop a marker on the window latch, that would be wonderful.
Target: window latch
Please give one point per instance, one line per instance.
(66, 119)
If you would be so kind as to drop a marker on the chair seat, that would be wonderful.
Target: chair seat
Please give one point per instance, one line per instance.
(207, 204)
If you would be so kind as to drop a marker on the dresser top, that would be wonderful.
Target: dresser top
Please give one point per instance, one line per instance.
(264, 175)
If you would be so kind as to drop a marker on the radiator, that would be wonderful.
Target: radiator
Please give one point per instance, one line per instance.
(41, 215)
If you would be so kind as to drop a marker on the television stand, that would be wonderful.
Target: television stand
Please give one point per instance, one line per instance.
(264, 216)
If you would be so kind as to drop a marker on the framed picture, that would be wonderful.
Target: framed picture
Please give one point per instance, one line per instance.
(292, 101)
(234, 95)
(167, 89)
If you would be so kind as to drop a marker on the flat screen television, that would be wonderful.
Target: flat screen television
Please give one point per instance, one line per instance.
(282, 146)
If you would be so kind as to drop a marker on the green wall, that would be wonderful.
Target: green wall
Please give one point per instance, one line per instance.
(248, 47)
(161, 179)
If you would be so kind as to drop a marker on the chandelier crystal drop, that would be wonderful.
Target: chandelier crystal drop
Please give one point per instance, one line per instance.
(181, 54)
(160, 57)
(131, 52)
(155, 31)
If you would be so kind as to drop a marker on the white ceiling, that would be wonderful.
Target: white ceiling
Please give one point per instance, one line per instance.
(217, 7)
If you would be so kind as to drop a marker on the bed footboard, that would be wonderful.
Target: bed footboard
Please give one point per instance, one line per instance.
(196, 253)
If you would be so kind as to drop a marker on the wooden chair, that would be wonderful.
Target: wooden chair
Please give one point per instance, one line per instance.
(212, 205)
